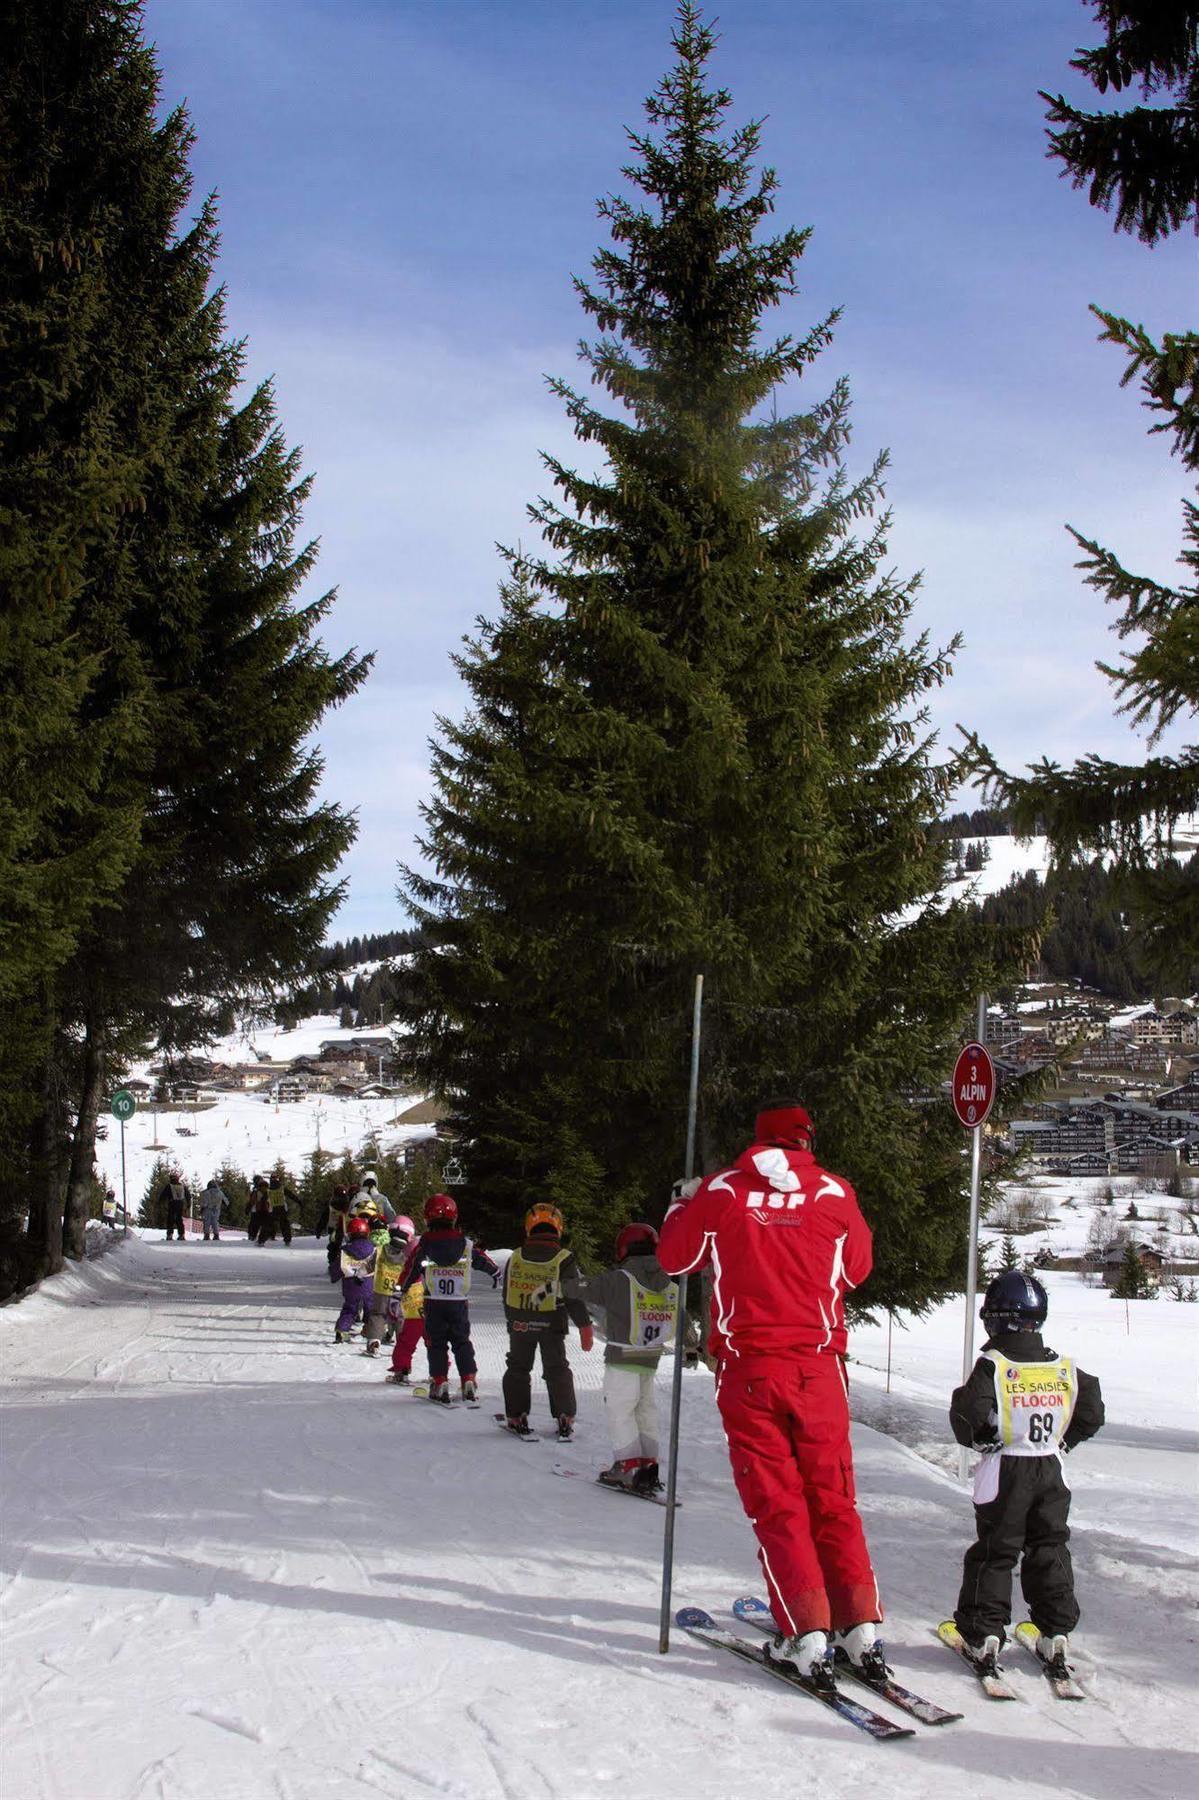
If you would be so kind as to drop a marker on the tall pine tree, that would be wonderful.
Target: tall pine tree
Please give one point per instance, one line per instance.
(203, 677)
(1145, 163)
(697, 743)
(76, 168)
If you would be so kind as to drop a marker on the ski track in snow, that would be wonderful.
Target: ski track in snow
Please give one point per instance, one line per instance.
(239, 1565)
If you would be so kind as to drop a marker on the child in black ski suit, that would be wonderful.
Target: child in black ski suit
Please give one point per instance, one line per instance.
(541, 1293)
(1024, 1406)
(444, 1258)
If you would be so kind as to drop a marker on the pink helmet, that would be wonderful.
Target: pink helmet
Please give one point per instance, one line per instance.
(402, 1226)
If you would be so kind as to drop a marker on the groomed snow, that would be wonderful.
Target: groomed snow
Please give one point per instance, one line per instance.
(239, 1566)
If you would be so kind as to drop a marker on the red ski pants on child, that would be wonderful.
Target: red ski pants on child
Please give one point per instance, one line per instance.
(787, 1424)
(409, 1333)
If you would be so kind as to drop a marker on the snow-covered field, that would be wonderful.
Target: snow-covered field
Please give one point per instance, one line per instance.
(239, 1566)
(250, 1131)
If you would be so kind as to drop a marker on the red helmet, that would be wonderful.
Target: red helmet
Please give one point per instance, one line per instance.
(785, 1122)
(442, 1209)
(358, 1226)
(635, 1237)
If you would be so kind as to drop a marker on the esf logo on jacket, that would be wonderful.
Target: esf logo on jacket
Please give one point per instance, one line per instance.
(774, 1202)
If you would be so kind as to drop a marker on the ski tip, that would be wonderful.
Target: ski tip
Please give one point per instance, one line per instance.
(748, 1606)
(689, 1617)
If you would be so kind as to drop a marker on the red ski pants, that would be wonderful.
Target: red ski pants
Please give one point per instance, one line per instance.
(409, 1333)
(787, 1425)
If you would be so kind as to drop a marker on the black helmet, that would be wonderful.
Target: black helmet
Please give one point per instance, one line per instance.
(1014, 1301)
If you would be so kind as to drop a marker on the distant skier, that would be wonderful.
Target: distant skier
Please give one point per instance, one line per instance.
(279, 1197)
(258, 1211)
(357, 1273)
(390, 1264)
(541, 1292)
(444, 1257)
(785, 1239)
(1025, 1407)
(174, 1196)
(640, 1304)
(212, 1199)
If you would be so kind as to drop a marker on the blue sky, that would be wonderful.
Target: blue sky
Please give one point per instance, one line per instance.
(407, 186)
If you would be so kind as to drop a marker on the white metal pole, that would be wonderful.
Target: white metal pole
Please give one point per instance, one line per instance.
(124, 1188)
(680, 1334)
(972, 1250)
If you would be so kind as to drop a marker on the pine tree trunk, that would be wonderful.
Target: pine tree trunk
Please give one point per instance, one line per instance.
(83, 1146)
(44, 1230)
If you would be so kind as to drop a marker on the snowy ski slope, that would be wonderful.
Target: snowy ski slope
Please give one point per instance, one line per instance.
(239, 1566)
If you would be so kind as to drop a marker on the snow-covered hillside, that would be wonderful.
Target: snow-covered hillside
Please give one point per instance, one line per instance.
(251, 1131)
(1007, 857)
(239, 1566)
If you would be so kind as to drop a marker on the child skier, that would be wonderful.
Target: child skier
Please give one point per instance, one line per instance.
(640, 1303)
(279, 1196)
(258, 1216)
(212, 1199)
(443, 1256)
(407, 1314)
(541, 1292)
(338, 1211)
(357, 1273)
(1023, 1406)
(390, 1263)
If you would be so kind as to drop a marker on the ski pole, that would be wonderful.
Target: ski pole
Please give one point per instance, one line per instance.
(676, 1386)
(976, 1137)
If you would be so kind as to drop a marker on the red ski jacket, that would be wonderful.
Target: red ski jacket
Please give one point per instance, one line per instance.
(784, 1240)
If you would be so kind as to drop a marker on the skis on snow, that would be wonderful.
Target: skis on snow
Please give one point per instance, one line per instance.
(1058, 1673)
(527, 1436)
(752, 1611)
(612, 1486)
(991, 1682)
(701, 1626)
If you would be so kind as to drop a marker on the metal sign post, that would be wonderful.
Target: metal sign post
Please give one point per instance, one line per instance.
(973, 1097)
(123, 1107)
(676, 1385)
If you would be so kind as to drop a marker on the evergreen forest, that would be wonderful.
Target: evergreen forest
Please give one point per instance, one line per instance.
(165, 854)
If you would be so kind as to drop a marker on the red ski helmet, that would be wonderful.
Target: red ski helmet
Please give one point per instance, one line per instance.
(442, 1209)
(358, 1226)
(635, 1237)
(785, 1122)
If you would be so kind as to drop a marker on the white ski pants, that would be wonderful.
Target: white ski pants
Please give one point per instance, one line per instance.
(632, 1411)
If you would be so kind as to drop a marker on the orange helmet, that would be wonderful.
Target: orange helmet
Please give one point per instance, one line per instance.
(543, 1215)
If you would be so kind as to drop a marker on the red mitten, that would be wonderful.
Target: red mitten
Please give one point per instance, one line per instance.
(586, 1336)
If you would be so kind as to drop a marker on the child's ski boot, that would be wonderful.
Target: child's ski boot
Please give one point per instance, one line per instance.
(439, 1390)
(622, 1474)
(807, 1654)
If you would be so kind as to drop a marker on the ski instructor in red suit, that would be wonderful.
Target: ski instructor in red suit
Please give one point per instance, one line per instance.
(785, 1241)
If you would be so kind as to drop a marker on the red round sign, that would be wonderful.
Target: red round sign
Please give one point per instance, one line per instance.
(973, 1091)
